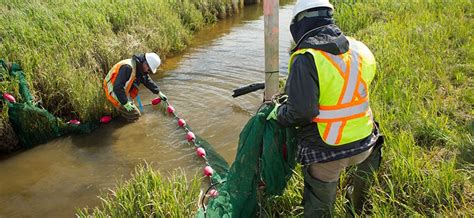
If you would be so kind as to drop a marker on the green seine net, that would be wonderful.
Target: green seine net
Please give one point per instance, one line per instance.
(33, 124)
(265, 158)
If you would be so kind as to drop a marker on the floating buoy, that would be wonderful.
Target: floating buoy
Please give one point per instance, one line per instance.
(213, 193)
(156, 101)
(181, 122)
(105, 119)
(190, 136)
(200, 152)
(74, 122)
(9, 97)
(170, 109)
(208, 171)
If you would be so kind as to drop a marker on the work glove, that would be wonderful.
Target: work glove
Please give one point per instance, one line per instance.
(129, 106)
(162, 96)
(273, 114)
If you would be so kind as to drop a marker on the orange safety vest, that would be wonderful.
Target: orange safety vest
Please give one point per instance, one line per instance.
(344, 112)
(109, 82)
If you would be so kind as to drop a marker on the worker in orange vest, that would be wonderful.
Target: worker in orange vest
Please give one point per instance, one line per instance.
(122, 82)
(327, 90)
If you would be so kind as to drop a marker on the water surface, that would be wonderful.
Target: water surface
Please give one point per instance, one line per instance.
(52, 179)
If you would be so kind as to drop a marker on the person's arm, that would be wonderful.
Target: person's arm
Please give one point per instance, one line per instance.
(302, 88)
(150, 84)
(123, 76)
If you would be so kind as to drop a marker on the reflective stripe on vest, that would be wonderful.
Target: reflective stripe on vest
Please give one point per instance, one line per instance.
(109, 81)
(344, 112)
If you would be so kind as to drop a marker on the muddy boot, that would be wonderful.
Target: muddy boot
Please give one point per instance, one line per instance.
(318, 196)
(363, 177)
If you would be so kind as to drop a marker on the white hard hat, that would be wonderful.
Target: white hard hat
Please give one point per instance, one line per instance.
(153, 61)
(303, 5)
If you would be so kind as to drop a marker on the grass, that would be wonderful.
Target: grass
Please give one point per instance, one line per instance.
(150, 194)
(66, 47)
(423, 98)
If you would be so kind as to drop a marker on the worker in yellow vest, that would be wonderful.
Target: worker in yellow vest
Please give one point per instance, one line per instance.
(328, 101)
(122, 82)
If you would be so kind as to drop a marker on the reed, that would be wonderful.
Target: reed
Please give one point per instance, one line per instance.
(423, 98)
(66, 47)
(150, 194)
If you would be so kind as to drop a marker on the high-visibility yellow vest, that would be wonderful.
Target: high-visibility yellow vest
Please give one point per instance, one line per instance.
(344, 112)
(109, 82)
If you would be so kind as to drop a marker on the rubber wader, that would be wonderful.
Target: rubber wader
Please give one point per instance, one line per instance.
(318, 196)
(130, 116)
(363, 176)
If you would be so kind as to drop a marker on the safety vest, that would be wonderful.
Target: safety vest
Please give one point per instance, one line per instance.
(344, 112)
(109, 82)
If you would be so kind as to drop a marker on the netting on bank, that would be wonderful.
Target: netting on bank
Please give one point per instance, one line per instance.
(33, 124)
(264, 162)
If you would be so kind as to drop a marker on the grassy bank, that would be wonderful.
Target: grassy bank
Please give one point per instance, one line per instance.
(67, 47)
(422, 96)
(149, 194)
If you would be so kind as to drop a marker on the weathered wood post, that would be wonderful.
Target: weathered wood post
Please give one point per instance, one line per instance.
(270, 12)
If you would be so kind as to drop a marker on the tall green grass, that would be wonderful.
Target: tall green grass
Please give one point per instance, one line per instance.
(423, 98)
(66, 47)
(150, 194)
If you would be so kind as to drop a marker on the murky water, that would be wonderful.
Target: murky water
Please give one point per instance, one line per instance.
(53, 179)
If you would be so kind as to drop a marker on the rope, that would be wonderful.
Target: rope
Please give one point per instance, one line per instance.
(208, 170)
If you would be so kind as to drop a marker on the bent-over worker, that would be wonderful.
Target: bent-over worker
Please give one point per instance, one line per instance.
(122, 82)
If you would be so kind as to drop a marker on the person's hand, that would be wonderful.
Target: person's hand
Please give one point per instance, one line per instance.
(129, 106)
(273, 113)
(162, 96)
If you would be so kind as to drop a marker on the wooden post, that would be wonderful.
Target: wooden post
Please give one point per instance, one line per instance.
(270, 12)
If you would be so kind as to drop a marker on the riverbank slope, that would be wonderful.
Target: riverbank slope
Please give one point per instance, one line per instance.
(66, 48)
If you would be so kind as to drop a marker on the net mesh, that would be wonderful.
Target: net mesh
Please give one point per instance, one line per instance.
(265, 161)
(32, 124)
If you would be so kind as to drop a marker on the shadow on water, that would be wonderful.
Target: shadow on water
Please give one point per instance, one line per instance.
(107, 137)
